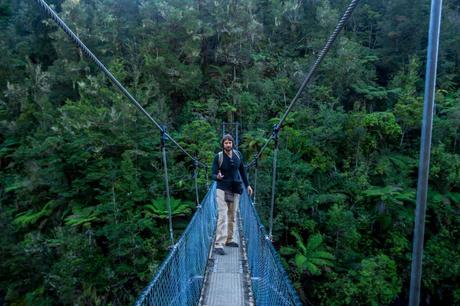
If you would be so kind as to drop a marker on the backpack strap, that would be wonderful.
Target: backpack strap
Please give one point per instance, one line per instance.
(237, 154)
(221, 156)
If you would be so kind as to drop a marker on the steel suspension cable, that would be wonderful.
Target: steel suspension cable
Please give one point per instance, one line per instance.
(74, 38)
(312, 70)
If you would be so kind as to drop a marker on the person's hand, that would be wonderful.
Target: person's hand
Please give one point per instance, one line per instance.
(250, 190)
(220, 175)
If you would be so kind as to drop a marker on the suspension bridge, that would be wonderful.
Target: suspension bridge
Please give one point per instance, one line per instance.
(251, 274)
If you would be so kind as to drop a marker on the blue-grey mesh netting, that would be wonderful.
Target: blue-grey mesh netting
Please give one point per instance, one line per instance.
(180, 278)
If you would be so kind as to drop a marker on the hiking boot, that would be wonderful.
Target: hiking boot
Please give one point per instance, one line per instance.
(232, 244)
(219, 251)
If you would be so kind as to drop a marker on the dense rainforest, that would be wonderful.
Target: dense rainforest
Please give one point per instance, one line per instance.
(82, 197)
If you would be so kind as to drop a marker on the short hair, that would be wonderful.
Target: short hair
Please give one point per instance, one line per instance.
(226, 137)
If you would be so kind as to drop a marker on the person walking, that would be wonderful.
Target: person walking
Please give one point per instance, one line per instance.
(228, 170)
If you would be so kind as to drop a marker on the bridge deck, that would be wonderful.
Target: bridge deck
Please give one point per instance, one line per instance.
(227, 281)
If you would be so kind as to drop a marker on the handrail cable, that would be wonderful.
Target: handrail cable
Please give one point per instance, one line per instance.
(74, 38)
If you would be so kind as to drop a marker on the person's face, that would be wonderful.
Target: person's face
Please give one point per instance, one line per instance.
(228, 145)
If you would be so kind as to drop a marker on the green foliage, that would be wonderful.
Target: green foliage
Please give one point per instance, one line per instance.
(445, 169)
(373, 282)
(311, 256)
(31, 217)
(377, 281)
(342, 227)
(440, 262)
(159, 208)
(390, 194)
(381, 129)
(83, 218)
(408, 108)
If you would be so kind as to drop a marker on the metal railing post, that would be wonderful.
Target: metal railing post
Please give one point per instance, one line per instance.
(195, 174)
(207, 178)
(276, 131)
(168, 198)
(425, 149)
(255, 179)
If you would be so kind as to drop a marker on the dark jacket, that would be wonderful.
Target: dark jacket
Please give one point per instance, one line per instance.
(230, 168)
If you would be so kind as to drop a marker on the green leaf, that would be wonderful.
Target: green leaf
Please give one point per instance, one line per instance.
(159, 208)
(314, 242)
(15, 186)
(31, 217)
(287, 250)
(300, 260)
(82, 216)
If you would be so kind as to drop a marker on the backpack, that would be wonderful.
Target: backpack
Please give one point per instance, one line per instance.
(221, 156)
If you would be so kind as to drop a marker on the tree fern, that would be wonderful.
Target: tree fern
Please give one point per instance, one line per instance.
(31, 216)
(159, 208)
(312, 257)
(82, 216)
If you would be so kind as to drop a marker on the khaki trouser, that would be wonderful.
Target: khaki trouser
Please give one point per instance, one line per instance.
(226, 218)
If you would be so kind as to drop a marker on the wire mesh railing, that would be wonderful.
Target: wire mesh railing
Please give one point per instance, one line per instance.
(180, 277)
(270, 282)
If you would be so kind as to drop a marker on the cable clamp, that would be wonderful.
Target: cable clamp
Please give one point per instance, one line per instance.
(256, 160)
(276, 131)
